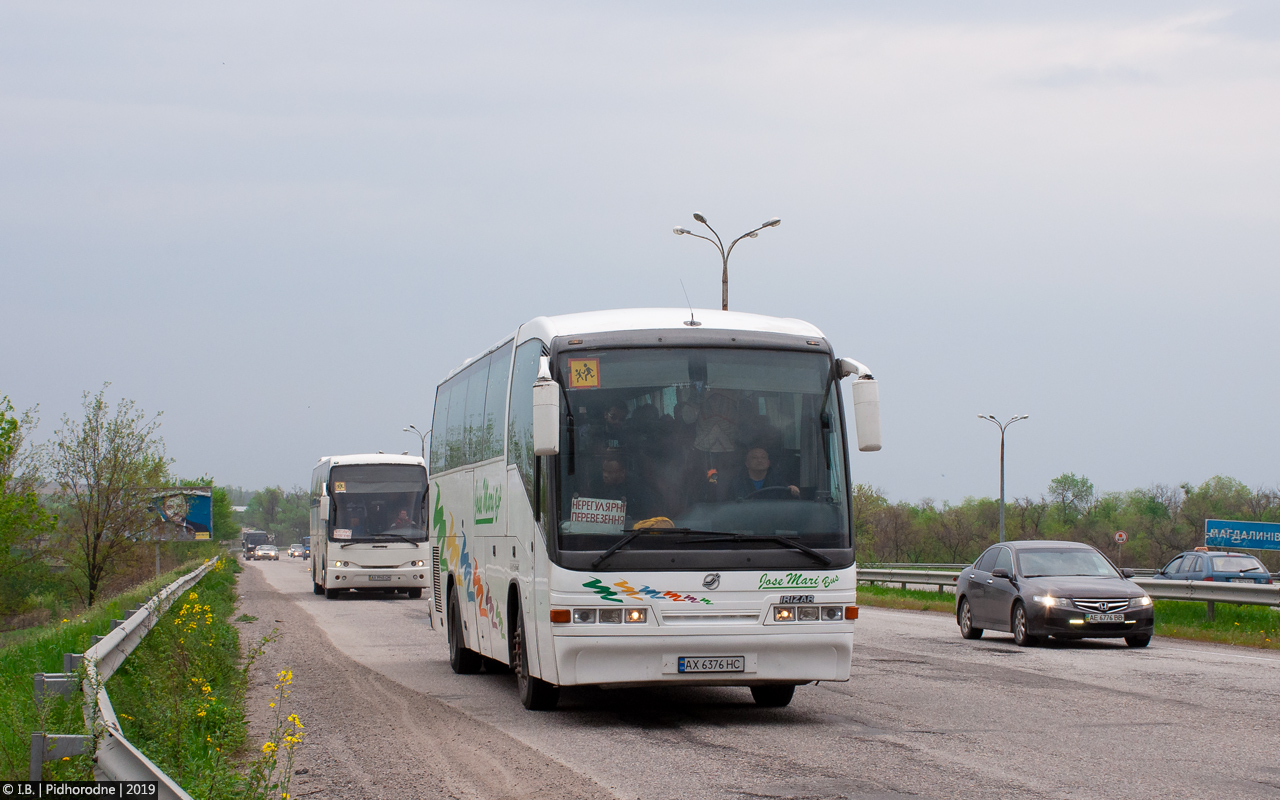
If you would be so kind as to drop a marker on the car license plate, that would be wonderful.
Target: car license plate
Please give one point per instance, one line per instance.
(379, 577)
(1105, 618)
(1243, 580)
(712, 664)
(788, 599)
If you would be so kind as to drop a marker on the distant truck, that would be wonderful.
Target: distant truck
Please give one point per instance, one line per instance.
(251, 539)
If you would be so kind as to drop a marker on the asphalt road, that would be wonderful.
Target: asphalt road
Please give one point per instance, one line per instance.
(925, 714)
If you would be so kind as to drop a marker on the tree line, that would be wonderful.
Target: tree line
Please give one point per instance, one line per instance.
(77, 510)
(1161, 521)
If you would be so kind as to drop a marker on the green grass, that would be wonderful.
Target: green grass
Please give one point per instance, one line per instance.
(23, 653)
(1247, 626)
(912, 599)
(180, 695)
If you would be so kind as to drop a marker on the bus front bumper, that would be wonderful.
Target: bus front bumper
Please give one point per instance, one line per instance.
(649, 660)
(371, 579)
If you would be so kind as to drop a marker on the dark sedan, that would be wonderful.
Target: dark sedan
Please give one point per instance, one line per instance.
(1066, 590)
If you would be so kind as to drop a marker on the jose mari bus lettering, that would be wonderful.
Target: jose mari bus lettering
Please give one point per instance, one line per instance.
(797, 580)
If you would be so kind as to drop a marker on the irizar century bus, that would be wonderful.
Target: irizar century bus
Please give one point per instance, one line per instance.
(368, 529)
(644, 497)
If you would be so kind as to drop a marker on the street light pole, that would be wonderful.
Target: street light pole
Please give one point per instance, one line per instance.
(991, 418)
(422, 436)
(724, 253)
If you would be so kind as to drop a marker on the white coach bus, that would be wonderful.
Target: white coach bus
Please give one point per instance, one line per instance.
(642, 497)
(368, 527)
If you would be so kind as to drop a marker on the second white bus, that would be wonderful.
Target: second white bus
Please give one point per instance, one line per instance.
(368, 526)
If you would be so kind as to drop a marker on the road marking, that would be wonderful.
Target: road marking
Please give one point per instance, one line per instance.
(1212, 653)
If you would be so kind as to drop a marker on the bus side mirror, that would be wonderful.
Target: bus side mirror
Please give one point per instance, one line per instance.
(866, 413)
(324, 508)
(866, 403)
(546, 412)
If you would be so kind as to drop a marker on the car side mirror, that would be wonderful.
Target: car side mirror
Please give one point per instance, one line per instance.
(1128, 573)
(1001, 572)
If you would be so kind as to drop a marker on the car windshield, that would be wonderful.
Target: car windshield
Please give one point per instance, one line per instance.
(1237, 564)
(378, 501)
(716, 441)
(1062, 563)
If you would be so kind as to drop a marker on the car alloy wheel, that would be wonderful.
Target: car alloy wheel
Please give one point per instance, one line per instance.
(966, 621)
(1020, 635)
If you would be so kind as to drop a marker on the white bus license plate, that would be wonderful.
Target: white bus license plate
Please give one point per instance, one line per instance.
(712, 664)
(1105, 618)
(379, 577)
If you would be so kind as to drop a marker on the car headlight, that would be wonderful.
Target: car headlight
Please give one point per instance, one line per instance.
(1141, 602)
(1050, 601)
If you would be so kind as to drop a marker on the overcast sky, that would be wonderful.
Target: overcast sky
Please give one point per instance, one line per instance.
(282, 224)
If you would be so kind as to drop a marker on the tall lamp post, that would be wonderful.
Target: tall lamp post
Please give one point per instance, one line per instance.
(991, 418)
(724, 254)
(422, 436)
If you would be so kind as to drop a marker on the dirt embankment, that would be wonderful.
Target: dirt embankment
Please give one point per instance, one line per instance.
(369, 737)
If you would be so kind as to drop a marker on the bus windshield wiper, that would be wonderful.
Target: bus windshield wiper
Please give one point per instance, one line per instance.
(632, 533)
(375, 536)
(821, 558)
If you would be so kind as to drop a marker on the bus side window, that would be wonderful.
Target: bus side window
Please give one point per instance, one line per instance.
(520, 414)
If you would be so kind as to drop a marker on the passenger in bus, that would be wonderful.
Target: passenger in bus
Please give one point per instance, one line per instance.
(760, 475)
(402, 520)
(355, 522)
(616, 483)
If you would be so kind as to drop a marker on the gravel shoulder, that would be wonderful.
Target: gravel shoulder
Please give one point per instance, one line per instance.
(369, 737)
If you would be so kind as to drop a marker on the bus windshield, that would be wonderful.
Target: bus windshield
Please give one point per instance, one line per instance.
(719, 441)
(378, 502)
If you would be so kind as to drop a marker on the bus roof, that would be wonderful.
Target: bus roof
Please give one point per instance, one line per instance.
(647, 319)
(373, 458)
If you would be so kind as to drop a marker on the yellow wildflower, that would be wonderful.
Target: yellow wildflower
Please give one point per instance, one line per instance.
(269, 747)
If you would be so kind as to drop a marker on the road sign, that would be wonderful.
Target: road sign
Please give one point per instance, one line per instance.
(1121, 537)
(1241, 534)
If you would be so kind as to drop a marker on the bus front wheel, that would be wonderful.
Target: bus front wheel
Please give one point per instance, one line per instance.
(462, 660)
(535, 693)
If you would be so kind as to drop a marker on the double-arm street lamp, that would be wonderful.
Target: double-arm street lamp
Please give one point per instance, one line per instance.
(724, 253)
(422, 436)
(991, 418)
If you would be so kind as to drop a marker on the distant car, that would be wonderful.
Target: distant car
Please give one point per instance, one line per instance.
(266, 552)
(295, 551)
(1209, 565)
(1066, 590)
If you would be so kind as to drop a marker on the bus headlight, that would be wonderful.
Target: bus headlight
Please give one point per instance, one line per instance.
(832, 613)
(784, 613)
(584, 616)
(636, 615)
(808, 613)
(612, 616)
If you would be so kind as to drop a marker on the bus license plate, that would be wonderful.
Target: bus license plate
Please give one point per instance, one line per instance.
(712, 664)
(1105, 617)
(788, 599)
(379, 577)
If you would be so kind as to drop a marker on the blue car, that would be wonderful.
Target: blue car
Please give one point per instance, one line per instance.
(1207, 565)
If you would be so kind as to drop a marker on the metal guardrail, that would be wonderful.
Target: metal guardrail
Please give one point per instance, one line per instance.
(115, 759)
(1203, 591)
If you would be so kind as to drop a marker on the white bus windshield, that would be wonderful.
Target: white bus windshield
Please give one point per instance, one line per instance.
(732, 441)
(378, 502)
